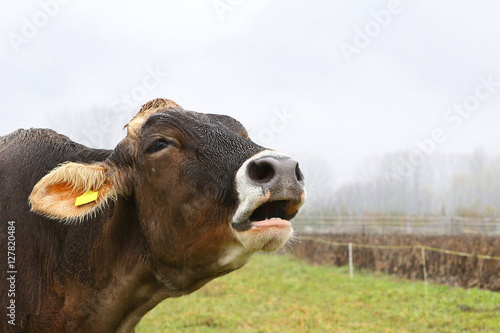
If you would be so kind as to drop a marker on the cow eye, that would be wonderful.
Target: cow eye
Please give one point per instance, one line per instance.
(158, 145)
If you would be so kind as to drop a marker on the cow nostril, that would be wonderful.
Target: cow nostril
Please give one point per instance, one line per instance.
(261, 171)
(298, 173)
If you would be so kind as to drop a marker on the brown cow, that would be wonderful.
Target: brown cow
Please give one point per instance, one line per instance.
(184, 198)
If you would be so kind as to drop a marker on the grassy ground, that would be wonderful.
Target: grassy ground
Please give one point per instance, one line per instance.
(282, 294)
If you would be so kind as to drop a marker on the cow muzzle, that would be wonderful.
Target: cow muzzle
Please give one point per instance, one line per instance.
(271, 190)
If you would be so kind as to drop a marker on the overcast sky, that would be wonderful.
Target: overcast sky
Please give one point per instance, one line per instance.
(331, 81)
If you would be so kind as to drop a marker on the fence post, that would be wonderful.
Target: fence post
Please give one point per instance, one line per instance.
(425, 273)
(351, 268)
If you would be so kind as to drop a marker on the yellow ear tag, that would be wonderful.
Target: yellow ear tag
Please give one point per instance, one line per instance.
(86, 197)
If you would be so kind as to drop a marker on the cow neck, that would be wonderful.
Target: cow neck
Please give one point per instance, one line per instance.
(125, 288)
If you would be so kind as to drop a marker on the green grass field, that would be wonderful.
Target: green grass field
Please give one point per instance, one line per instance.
(283, 294)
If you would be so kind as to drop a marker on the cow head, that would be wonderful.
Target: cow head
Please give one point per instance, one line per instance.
(206, 197)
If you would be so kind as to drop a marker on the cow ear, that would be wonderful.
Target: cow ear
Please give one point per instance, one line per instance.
(73, 191)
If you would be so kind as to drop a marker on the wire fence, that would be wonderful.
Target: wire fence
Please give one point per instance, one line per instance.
(422, 248)
(383, 224)
(399, 247)
(465, 260)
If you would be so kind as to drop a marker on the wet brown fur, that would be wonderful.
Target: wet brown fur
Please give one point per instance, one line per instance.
(158, 229)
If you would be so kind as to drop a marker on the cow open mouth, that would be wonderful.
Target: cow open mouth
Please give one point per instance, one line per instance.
(271, 191)
(270, 214)
(274, 209)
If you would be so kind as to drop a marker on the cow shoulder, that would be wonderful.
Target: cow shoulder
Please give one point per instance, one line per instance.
(49, 146)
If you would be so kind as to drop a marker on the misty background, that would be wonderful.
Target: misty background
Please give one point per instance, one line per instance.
(390, 107)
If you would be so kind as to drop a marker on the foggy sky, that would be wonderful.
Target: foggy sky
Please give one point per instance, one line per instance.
(330, 81)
